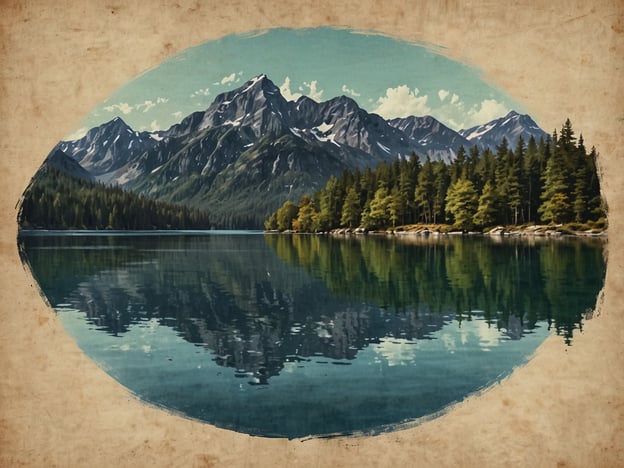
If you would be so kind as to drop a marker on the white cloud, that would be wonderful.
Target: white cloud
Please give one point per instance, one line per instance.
(147, 105)
(452, 123)
(398, 352)
(228, 79)
(312, 90)
(402, 102)
(126, 108)
(443, 94)
(349, 91)
(122, 107)
(456, 114)
(154, 126)
(287, 93)
(201, 92)
(489, 109)
(178, 114)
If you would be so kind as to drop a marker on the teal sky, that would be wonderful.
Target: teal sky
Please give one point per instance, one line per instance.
(384, 75)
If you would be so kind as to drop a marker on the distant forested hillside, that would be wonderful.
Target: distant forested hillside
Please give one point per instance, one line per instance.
(57, 200)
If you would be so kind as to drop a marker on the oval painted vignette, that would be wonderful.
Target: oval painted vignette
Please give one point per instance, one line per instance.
(242, 131)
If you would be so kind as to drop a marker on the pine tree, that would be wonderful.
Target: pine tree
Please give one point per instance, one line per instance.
(305, 221)
(503, 160)
(407, 182)
(457, 166)
(461, 203)
(486, 167)
(396, 206)
(594, 200)
(378, 215)
(285, 215)
(532, 170)
(330, 205)
(515, 182)
(424, 193)
(487, 210)
(441, 185)
(555, 205)
(351, 209)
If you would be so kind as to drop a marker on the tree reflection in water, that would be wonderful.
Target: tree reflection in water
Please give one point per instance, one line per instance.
(258, 302)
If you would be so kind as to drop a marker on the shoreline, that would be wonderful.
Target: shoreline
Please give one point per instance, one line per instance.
(424, 230)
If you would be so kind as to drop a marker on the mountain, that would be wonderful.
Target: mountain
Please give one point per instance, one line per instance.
(343, 123)
(435, 139)
(251, 150)
(57, 159)
(512, 126)
(108, 148)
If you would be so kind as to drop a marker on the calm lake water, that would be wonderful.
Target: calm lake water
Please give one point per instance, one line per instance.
(292, 336)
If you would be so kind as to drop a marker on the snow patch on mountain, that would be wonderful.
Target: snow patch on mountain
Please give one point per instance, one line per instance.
(324, 127)
(383, 148)
(480, 131)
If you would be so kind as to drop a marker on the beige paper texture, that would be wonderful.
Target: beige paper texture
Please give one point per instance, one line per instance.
(59, 58)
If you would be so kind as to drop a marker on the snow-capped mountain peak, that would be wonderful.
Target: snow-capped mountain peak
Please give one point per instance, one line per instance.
(511, 126)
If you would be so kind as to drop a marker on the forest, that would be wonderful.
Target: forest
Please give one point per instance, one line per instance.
(56, 200)
(553, 180)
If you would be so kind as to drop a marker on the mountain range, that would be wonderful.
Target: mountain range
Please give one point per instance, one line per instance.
(251, 150)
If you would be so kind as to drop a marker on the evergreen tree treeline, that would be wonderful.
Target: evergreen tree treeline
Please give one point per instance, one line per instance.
(56, 200)
(553, 180)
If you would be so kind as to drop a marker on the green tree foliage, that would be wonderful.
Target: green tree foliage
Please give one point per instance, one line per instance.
(285, 215)
(550, 180)
(533, 164)
(454, 276)
(440, 187)
(424, 190)
(461, 203)
(487, 209)
(306, 216)
(351, 209)
(56, 200)
(271, 222)
(377, 215)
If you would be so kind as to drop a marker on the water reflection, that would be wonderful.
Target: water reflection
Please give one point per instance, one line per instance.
(303, 297)
(324, 335)
(514, 284)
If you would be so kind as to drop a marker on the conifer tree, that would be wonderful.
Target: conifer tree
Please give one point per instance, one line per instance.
(461, 203)
(487, 210)
(555, 205)
(305, 221)
(441, 185)
(285, 215)
(424, 193)
(351, 209)
(515, 182)
(378, 214)
(532, 170)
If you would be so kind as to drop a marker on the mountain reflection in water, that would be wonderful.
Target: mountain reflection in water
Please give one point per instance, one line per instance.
(255, 309)
(272, 309)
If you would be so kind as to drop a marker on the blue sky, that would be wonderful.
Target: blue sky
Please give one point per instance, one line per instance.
(384, 75)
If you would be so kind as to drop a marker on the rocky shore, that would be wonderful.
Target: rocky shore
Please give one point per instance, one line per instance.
(535, 230)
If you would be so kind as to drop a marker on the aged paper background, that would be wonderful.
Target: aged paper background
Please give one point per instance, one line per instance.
(58, 58)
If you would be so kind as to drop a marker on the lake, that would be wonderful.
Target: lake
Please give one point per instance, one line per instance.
(297, 335)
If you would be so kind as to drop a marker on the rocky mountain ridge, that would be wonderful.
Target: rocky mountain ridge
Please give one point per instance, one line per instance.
(251, 150)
